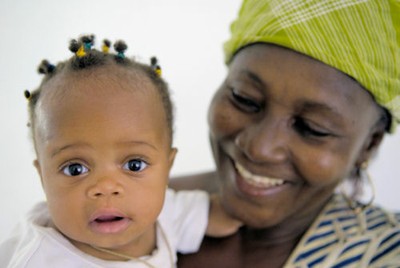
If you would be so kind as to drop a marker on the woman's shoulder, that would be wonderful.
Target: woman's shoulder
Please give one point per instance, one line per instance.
(372, 219)
(341, 235)
(206, 181)
(377, 216)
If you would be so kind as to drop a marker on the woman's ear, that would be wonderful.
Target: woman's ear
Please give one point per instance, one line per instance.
(372, 144)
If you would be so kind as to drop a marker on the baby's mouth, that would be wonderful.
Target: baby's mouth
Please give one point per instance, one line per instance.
(107, 222)
(103, 219)
(256, 180)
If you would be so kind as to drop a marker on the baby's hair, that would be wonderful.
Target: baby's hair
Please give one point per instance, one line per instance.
(120, 47)
(46, 67)
(154, 65)
(85, 57)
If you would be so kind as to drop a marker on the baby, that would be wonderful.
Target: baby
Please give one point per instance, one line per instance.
(102, 130)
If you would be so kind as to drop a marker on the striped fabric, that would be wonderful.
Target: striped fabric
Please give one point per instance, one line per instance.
(359, 37)
(341, 238)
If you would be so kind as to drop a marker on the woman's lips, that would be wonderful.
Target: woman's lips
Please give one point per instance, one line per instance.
(256, 185)
(256, 180)
(109, 221)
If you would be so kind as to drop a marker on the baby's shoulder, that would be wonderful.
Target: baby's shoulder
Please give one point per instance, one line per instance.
(25, 238)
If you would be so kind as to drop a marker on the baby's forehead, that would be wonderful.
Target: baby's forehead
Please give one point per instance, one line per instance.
(103, 78)
(100, 86)
(111, 71)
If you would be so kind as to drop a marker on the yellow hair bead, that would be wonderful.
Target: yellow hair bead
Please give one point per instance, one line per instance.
(157, 70)
(105, 49)
(81, 52)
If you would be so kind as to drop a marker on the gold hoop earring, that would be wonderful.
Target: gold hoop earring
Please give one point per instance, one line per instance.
(356, 206)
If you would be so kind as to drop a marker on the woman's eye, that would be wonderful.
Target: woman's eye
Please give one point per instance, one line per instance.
(306, 130)
(244, 103)
(74, 169)
(135, 165)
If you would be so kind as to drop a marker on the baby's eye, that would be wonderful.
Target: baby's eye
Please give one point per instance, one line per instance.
(135, 165)
(75, 169)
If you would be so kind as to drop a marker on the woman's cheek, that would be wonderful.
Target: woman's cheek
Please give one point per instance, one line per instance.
(222, 118)
(326, 169)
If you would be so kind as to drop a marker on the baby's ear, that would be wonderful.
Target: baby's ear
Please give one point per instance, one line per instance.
(172, 155)
(38, 169)
(37, 165)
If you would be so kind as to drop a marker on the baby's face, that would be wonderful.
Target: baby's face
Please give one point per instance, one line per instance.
(104, 157)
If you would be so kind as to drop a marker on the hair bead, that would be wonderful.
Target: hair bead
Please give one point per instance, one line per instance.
(91, 57)
(73, 46)
(81, 52)
(88, 41)
(157, 70)
(77, 48)
(154, 65)
(120, 47)
(106, 46)
(27, 94)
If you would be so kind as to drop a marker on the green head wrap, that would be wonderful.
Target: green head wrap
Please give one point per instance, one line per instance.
(358, 37)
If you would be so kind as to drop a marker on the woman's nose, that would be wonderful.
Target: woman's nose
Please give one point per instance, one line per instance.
(264, 142)
(105, 186)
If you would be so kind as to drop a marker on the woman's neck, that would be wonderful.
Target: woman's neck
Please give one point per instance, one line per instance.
(289, 231)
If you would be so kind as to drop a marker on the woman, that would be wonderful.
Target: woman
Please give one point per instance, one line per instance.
(312, 88)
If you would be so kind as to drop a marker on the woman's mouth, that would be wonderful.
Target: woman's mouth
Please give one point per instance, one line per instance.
(256, 180)
(255, 185)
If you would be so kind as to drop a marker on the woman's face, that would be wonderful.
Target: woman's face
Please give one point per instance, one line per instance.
(285, 129)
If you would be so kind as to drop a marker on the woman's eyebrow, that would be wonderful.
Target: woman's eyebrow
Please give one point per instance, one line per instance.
(253, 77)
(321, 108)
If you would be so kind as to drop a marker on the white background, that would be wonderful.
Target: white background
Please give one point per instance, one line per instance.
(186, 36)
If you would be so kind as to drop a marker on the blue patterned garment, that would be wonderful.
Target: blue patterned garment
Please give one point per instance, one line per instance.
(341, 238)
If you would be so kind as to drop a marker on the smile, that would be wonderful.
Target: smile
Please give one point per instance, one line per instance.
(256, 180)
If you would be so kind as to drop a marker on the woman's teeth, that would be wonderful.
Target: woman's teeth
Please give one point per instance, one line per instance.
(255, 180)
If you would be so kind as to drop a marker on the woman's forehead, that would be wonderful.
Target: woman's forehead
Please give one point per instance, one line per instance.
(280, 73)
(266, 63)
